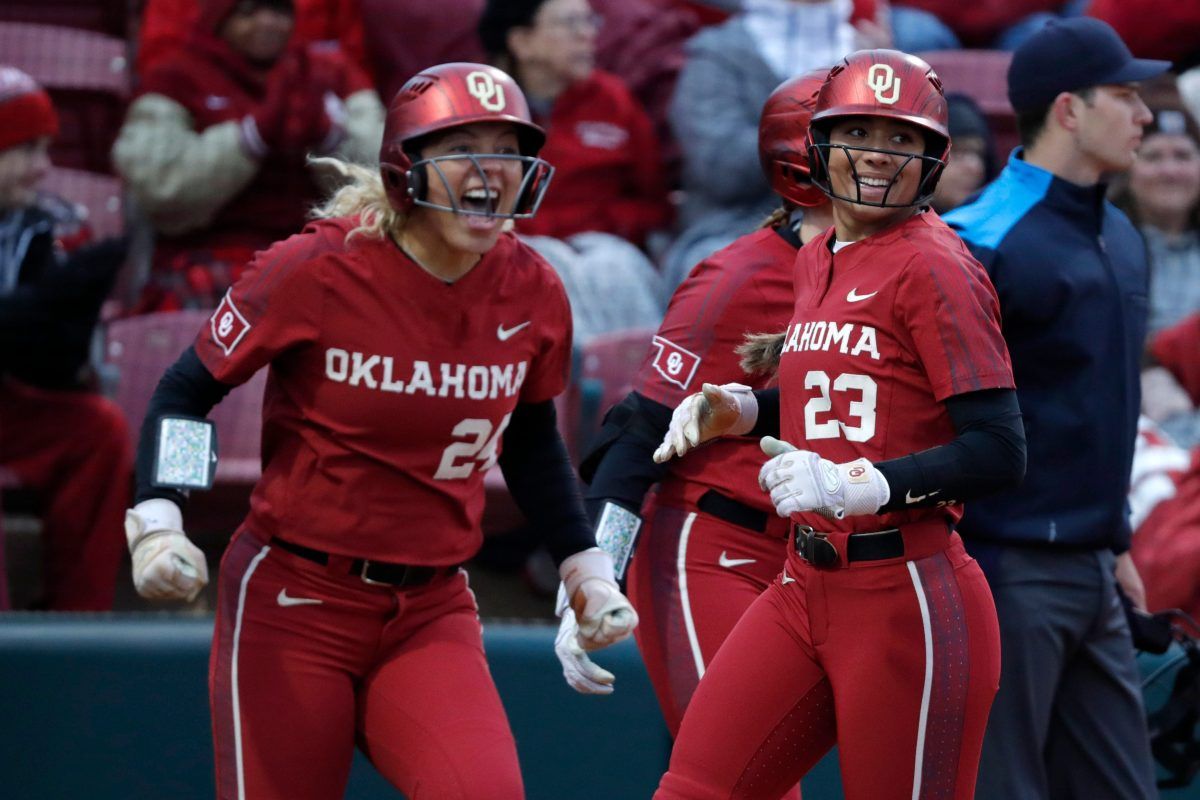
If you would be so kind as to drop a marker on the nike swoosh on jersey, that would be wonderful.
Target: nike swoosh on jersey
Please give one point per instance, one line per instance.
(284, 600)
(853, 296)
(785, 580)
(908, 496)
(725, 561)
(504, 334)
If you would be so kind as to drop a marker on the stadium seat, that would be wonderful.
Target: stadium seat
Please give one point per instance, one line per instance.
(110, 17)
(983, 76)
(143, 347)
(606, 368)
(87, 76)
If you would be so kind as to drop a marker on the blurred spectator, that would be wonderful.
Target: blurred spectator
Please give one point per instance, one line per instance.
(730, 71)
(611, 285)
(1167, 29)
(607, 194)
(973, 159)
(214, 148)
(58, 438)
(920, 25)
(608, 172)
(712, 12)
(1162, 197)
(406, 36)
(642, 42)
(1165, 488)
(167, 24)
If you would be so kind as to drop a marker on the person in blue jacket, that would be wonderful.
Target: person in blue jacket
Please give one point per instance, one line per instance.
(1071, 274)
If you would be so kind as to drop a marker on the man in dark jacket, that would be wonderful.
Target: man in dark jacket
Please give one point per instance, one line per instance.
(58, 438)
(1071, 274)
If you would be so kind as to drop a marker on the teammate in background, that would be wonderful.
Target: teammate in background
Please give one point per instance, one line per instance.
(709, 544)
(1071, 274)
(412, 344)
(59, 437)
(880, 634)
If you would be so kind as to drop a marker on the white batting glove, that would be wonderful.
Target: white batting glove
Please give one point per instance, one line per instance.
(603, 614)
(800, 480)
(727, 410)
(166, 565)
(582, 674)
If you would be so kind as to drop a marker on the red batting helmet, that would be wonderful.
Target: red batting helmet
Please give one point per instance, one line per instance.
(882, 83)
(783, 135)
(448, 96)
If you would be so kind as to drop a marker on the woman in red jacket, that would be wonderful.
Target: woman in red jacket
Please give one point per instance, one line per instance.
(608, 171)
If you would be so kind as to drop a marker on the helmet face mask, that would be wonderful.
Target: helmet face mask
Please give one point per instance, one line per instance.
(450, 96)
(931, 169)
(535, 178)
(881, 84)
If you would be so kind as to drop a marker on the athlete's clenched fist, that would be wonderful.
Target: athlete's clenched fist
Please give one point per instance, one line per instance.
(800, 480)
(166, 565)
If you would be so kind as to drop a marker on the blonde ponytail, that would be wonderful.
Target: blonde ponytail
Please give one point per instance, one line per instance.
(362, 195)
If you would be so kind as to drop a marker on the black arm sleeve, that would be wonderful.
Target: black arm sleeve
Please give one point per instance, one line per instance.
(767, 423)
(986, 456)
(187, 389)
(543, 484)
(621, 466)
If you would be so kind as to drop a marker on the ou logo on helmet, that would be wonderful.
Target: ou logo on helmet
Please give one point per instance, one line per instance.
(483, 87)
(881, 78)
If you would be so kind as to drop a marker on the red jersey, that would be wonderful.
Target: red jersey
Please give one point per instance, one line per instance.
(882, 332)
(389, 389)
(744, 288)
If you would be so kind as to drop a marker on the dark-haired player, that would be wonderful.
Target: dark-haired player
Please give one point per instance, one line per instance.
(895, 402)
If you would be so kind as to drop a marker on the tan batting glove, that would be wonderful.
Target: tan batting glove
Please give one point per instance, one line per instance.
(728, 410)
(603, 614)
(166, 565)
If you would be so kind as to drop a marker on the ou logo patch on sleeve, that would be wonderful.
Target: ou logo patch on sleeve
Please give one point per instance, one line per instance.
(228, 325)
(675, 363)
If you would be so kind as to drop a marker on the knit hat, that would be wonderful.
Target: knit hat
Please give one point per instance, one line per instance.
(26, 112)
(214, 12)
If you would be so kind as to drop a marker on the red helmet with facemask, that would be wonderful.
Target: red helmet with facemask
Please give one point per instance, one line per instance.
(450, 96)
(783, 138)
(888, 84)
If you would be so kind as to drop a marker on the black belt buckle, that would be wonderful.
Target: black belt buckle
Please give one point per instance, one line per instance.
(815, 548)
(382, 573)
(366, 578)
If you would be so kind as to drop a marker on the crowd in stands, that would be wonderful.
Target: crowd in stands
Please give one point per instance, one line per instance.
(651, 109)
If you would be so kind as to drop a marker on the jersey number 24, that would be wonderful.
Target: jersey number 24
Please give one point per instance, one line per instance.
(479, 451)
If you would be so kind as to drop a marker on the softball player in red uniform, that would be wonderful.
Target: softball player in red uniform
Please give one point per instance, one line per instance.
(710, 542)
(412, 344)
(880, 634)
